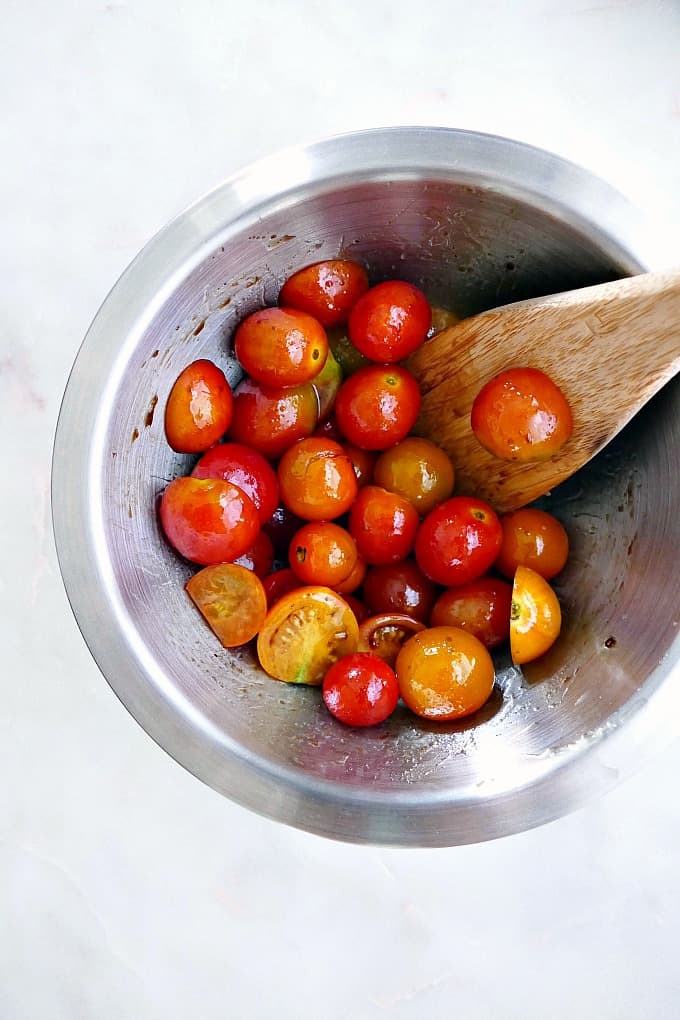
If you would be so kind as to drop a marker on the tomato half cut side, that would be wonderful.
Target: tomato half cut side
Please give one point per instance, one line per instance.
(232, 601)
(385, 634)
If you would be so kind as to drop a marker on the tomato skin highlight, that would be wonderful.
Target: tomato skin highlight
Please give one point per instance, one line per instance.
(458, 541)
(270, 420)
(377, 406)
(208, 520)
(390, 321)
(532, 538)
(280, 347)
(521, 415)
(317, 479)
(535, 617)
(232, 601)
(481, 607)
(444, 673)
(199, 408)
(327, 290)
(383, 525)
(360, 690)
(245, 467)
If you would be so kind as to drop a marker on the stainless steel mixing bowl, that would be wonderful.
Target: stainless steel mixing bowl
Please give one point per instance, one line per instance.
(476, 221)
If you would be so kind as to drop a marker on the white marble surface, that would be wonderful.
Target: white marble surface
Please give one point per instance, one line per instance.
(128, 889)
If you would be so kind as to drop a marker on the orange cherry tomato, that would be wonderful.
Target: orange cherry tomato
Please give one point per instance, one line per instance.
(532, 538)
(444, 673)
(535, 616)
(208, 520)
(327, 290)
(199, 408)
(353, 581)
(521, 414)
(362, 462)
(280, 583)
(383, 525)
(270, 420)
(322, 553)
(481, 607)
(317, 479)
(360, 690)
(246, 468)
(417, 469)
(231, 600)
(260, 557)
(390, 321)
(377, 406)
(281, 347)
(304, 633)
(384, 635)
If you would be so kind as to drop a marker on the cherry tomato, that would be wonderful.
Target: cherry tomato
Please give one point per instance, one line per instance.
(270, 420)
(327, 290)
(260, 557)
(384, 635)
(304, 633)
(346, 354)
(444, 673)
(383, 525)
(390, 321)
(399, 588)
(442, 318)
(327, 384)
(360, 690)
(317, 479)
(535, 617)
(417, 469)
(199, 408)
(281, 347)
(281, 527)
(481, 607)
(246, 468)
(328, 429)
(208, 520)
(363, 462)
(322, 553)
(532, 538)
(231, 600)
(353, 580)
(458, 541)
(521, 414)
(280, 583)
(377, 406)
(358, 608)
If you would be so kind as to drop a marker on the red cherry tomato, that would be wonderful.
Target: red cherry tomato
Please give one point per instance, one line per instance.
(360, 690)
(208, 520)
(317, 479)
(270, 420)
(390, 321)
(377, 406)
(521, 414)
(481, 607)
(281, 347)
(458, 541)
(327, 290)
(322, 553)
(260, 557)
(280, 583)
(383, 525)
(399, 588)
(246, 468)
(199, 408)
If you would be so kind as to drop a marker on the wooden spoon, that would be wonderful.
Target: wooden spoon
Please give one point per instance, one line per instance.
(609, 348)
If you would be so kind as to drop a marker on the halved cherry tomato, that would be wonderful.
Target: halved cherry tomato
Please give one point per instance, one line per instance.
(384, 635)
(458, 540)
(360, 690)
(270, 420)
(231, 600)
(246, 468)
(260, 557)
(281, 527)
(377, 406)
(199, 408)
(390, 321)
(280, 583)
(444, 673)
(327, 290)
(532, 538)
(399, 588)
(281, 347)
(383, 525)
(417, 469)
(481, 607)
(322, 553)
(353, 580)
(521, 414)
(535, 617)
(304, 633)
(327, 384)
(208, 520)
(317, 479)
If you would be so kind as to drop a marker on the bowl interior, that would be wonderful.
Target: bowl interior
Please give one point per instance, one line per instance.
(470, 246)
